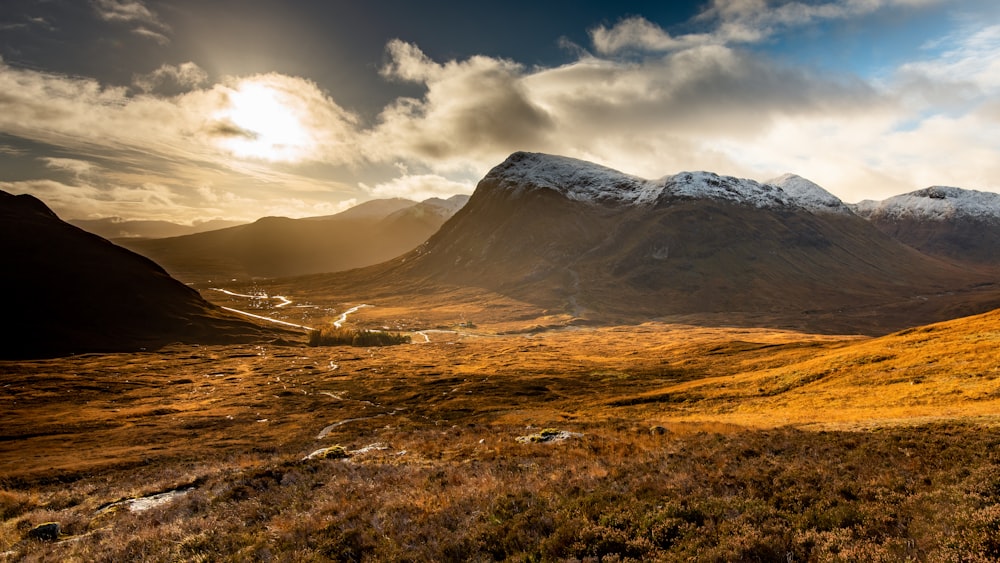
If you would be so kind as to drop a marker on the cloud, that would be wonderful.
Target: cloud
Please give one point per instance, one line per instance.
(735, 22)
(80, 200)
(418, 187)
(244, 146)
(639, 33)
(78, 168)
(147, 23)
(150, 34)
(651, 116)
(470, 108)
(116, 140)
(968, 70)
(184, 77)
(84, 115)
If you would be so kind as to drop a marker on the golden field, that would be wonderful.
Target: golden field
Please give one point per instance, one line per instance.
(681, 443)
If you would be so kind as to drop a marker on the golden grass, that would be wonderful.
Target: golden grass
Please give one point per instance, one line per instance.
(943, 371)
(752, 438)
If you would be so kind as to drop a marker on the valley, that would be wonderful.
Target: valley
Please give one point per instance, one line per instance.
(599, 368)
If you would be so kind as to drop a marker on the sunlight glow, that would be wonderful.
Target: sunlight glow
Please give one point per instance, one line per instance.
(267, 124)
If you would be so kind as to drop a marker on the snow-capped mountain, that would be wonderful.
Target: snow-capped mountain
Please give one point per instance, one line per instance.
(809, 194)
(953, 223)
(936, 203)
(584, 240)
(584, 181)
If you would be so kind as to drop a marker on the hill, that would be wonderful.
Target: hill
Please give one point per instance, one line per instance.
(279, 247)
(70, 291)
(952, 223)
(116, 227)
(581, 240)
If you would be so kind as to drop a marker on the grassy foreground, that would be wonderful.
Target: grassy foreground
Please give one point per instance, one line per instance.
(615, 494)
(674, 443)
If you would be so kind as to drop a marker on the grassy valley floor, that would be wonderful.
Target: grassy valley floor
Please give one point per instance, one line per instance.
(651, 442)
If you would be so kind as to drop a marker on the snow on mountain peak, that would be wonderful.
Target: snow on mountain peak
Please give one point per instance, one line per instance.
(936, 203)
(708, 185)
(809, 194)
(583, 181)
(578, 180)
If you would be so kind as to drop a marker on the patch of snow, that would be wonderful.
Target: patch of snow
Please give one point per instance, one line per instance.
(583, 181)
(936, 203)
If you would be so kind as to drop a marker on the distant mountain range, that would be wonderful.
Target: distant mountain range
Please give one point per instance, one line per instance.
(570, 238)
(69, 291)
(367, 234)
(591, 242)
(116, 227)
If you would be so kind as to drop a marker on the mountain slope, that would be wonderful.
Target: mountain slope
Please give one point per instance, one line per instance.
(580, 239)
(953, 223)
(278, 246)
(70, 291)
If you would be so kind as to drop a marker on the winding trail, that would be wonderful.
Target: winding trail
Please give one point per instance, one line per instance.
(284, 301)
(343, 317)
(269, 319)
(326, 430)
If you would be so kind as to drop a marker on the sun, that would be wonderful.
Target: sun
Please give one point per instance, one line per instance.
(264, 122)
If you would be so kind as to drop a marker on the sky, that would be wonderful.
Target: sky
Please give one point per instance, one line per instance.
(191, 110)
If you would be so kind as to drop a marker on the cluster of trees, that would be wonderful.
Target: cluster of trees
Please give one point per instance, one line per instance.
(355, 337)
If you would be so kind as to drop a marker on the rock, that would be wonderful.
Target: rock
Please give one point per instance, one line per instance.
(548, 435)
(657, 430)
(46, 531)
(332, 452)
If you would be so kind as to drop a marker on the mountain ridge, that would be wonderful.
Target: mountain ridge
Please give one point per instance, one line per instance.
(593, 243)
(952, 223)
(271, 247)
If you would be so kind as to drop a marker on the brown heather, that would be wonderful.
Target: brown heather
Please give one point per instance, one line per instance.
(685, 444)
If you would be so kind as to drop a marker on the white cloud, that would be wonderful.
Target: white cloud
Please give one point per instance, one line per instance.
(418, 187)
(125, 11)
(243, 147)
(639, 33)
(150, 34)
(735, 22)
(78, 168)
(471, 109)
(186, 76)
(147, 23)
(651, 116)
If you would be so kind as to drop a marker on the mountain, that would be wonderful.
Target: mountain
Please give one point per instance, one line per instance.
(370, 233)
(373, 209)
(810, 194)
(116, 227)
(431, 212)
(952, 223)
(69, 291)
(580, 239)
